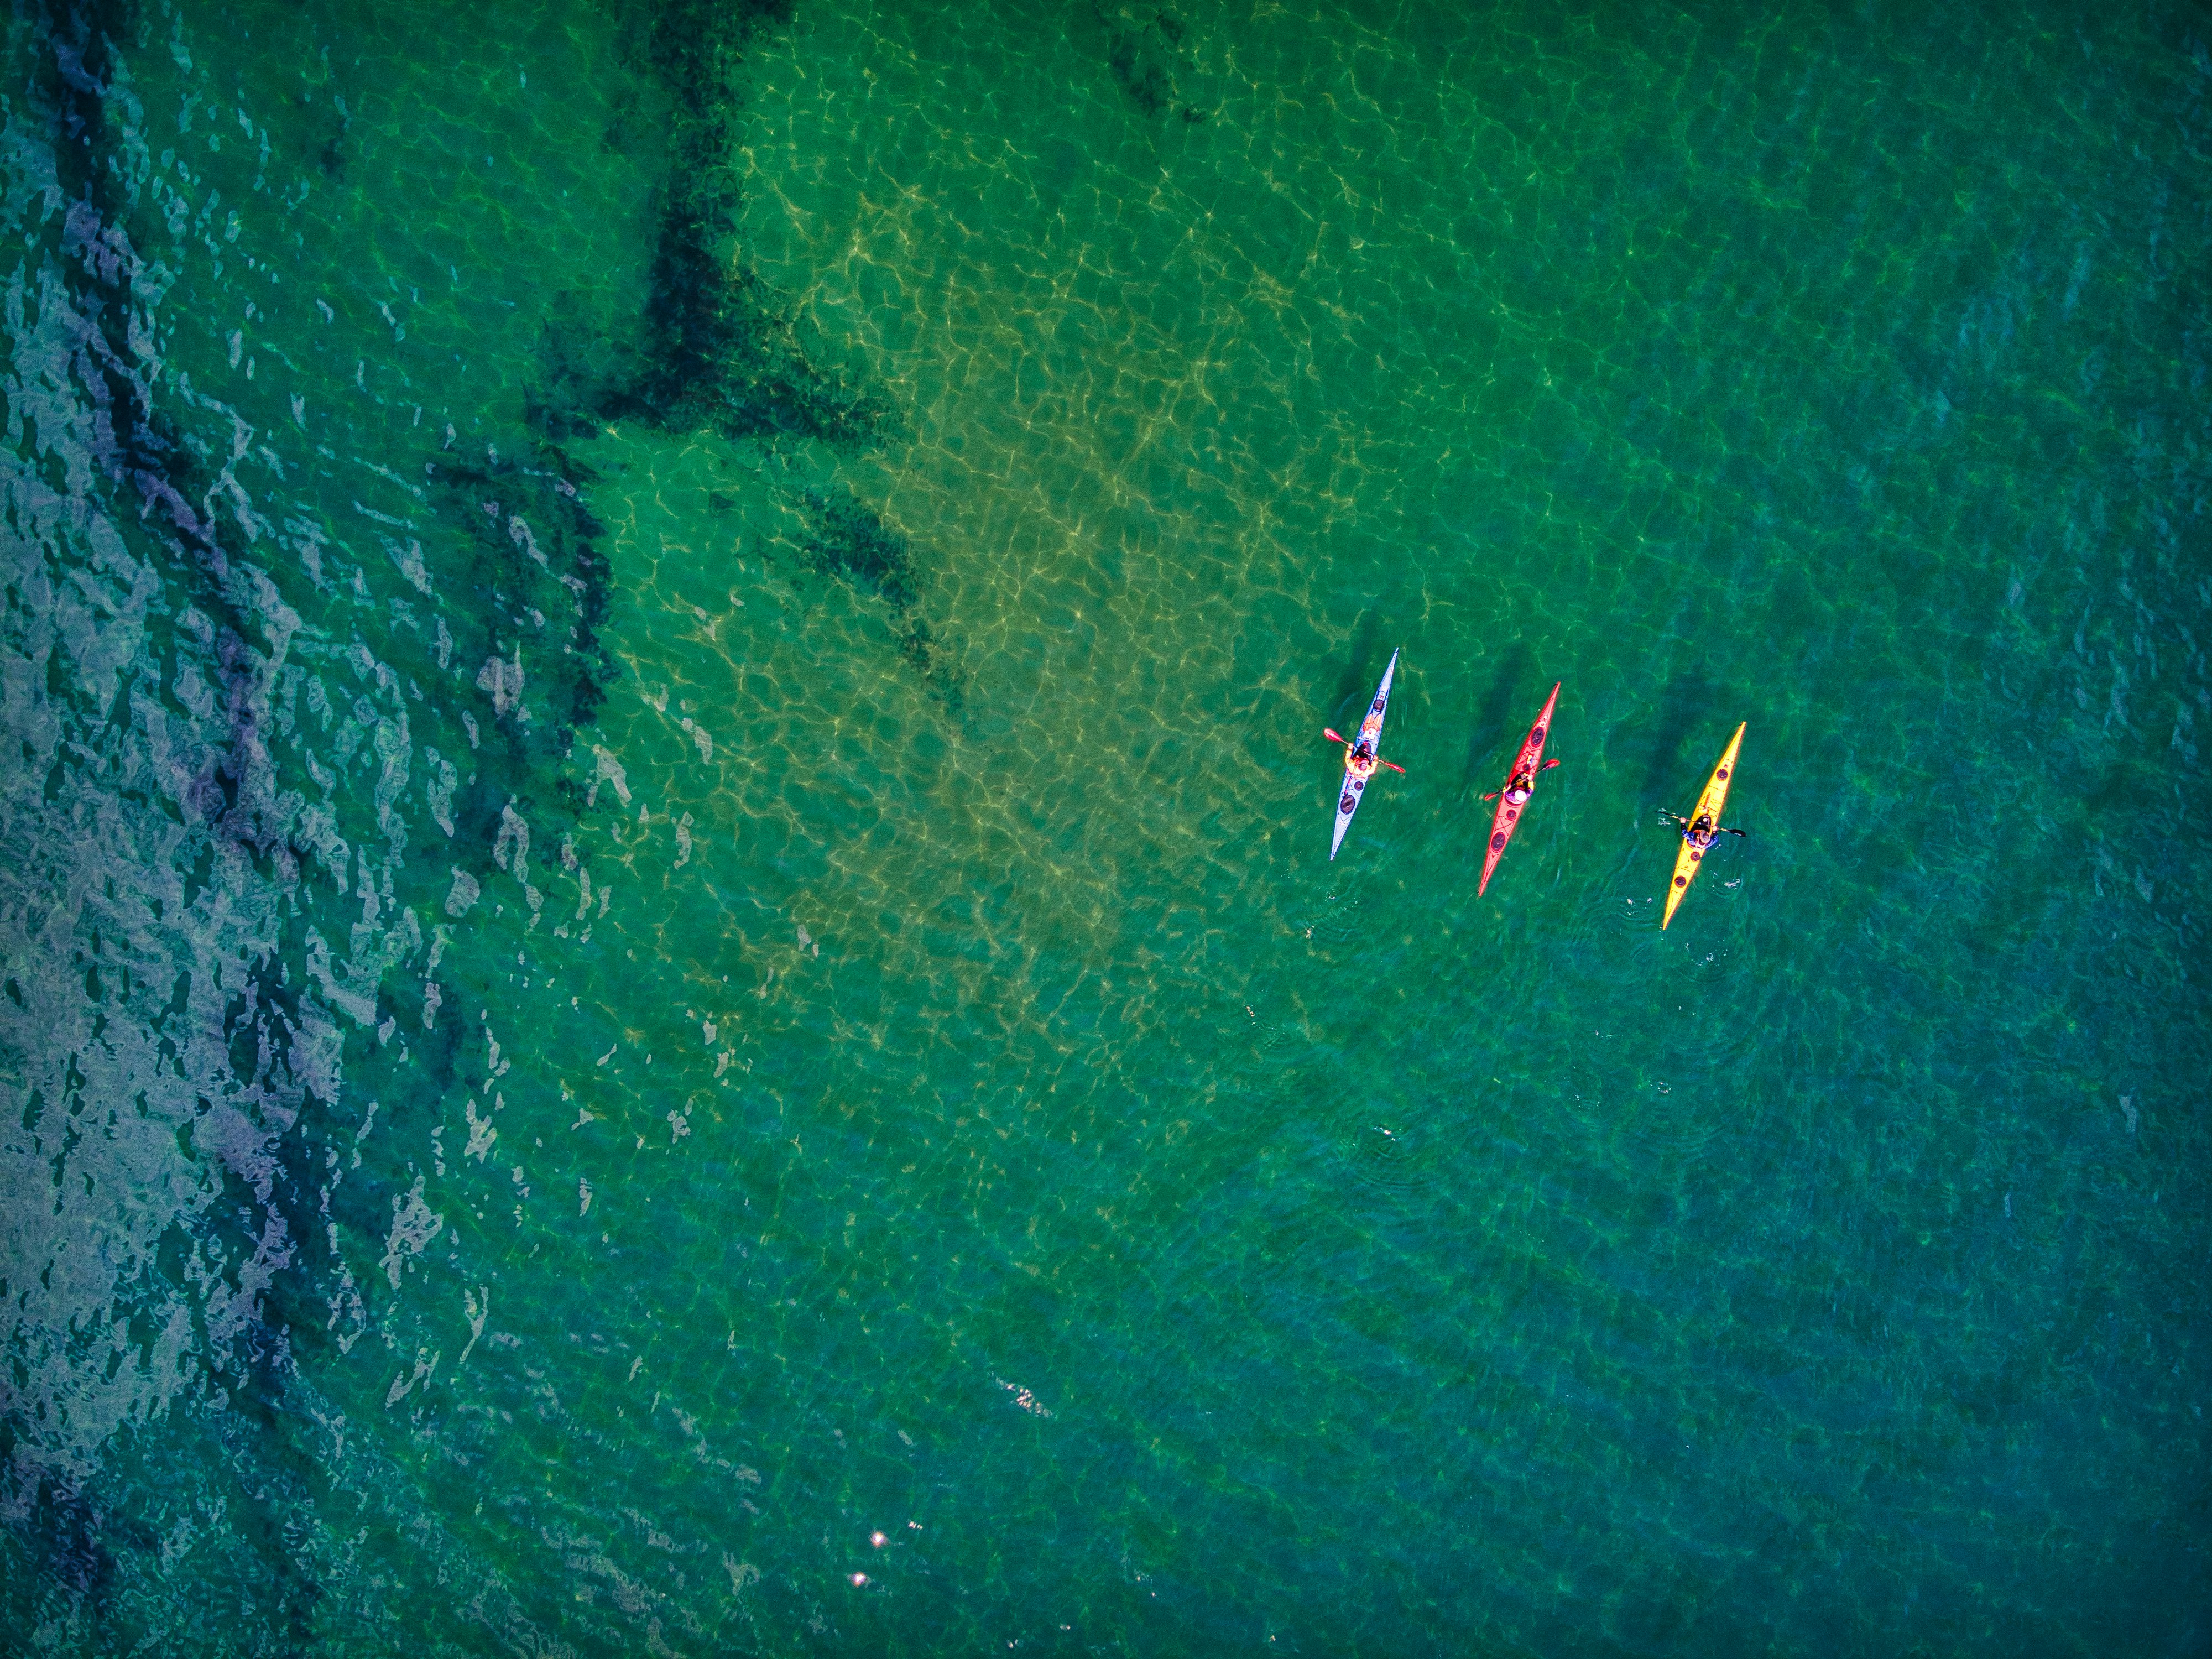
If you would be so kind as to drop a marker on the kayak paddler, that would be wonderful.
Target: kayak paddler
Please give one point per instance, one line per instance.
(1522, 784)
(1360, 759)
(1362, 754)
(1704, 831)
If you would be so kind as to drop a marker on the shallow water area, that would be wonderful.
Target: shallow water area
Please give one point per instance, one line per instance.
(673, 981)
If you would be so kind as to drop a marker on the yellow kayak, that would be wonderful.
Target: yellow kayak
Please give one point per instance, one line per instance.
(1708, 807)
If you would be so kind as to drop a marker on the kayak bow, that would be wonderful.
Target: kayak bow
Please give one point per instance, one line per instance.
(1509, 813)
(1348, 798)
(1714, 797)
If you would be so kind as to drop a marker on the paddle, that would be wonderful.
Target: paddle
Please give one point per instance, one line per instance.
(1718, 828)
(1545, 766)
(1379, 761)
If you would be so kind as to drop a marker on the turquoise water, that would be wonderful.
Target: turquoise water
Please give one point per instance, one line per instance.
(672, 980)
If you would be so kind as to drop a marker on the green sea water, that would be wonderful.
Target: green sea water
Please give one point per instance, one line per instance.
(672, 980)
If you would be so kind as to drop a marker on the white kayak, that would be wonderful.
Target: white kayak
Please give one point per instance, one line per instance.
(1370, 729)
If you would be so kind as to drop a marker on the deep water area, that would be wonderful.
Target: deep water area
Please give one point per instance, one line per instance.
(669, 977)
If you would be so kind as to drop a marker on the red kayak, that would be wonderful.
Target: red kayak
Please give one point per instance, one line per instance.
(1525, 766)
